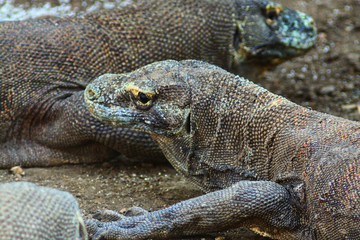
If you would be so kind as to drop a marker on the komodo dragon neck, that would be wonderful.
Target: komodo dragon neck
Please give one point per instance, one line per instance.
(261, 137)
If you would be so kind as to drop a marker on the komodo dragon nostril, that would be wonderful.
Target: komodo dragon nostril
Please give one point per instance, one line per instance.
(91, 94)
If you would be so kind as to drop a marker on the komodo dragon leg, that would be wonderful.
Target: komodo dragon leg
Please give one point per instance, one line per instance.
(261, 206)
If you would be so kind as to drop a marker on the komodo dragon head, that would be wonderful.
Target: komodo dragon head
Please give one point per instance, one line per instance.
(267, 35)
(195, 111)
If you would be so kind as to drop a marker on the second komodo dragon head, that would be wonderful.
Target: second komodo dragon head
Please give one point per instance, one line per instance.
(268, 34)
(246, 37)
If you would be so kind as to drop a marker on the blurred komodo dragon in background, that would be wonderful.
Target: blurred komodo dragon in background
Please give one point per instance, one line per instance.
(45, 65)
(29, 212)
(282, 170)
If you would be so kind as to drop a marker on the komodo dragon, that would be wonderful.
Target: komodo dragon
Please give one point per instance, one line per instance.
(32, 212)
(282, 170)
(45, 65)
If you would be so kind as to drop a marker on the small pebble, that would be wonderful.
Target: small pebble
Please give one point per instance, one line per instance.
(17, 171)
(327, 90)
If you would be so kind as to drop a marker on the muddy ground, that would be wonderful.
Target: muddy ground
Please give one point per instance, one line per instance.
(326, 79)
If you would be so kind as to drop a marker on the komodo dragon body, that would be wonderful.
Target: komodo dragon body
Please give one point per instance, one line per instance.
(45, 65)
(32, 212)
(280, 169)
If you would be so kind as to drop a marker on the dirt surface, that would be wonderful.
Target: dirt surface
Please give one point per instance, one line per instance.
(326, 79)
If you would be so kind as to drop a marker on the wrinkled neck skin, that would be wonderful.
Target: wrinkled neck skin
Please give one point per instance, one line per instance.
(230, 133)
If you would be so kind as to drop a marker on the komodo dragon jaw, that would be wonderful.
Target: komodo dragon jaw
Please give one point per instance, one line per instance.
(280, 34)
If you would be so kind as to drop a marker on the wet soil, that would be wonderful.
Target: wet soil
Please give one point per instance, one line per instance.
(326, 79)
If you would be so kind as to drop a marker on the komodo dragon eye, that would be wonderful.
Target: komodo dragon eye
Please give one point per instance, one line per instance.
(271, 16)
(144, 99)
(272, 13)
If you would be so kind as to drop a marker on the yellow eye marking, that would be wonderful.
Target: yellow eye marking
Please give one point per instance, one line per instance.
(138, 93)
(272, 11)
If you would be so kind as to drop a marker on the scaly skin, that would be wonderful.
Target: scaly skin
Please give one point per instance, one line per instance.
(28, 211)
(46, 64)
(280, 169)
